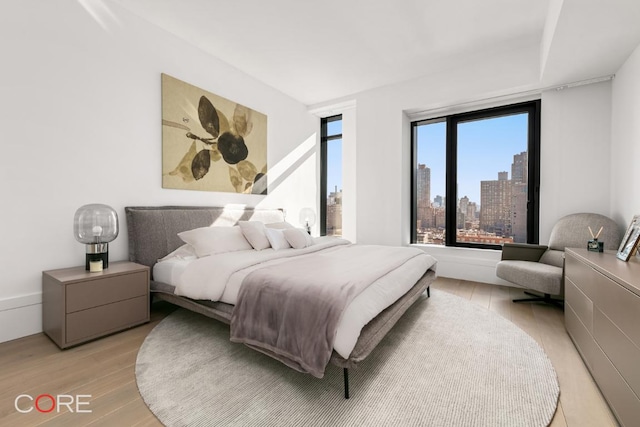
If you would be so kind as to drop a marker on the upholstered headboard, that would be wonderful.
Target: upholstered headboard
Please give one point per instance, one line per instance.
(153, 230)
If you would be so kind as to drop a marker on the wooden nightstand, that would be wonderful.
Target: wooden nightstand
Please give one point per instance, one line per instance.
(78, 306)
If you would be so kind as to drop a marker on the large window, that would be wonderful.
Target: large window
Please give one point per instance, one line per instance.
(476, 177)
(331, 176)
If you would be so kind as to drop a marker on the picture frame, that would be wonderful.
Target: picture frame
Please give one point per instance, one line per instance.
(630, 241)
(211, 143)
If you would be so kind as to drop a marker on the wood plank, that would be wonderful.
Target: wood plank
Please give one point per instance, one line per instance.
(501, 301)
(482, 294)
(558, 418)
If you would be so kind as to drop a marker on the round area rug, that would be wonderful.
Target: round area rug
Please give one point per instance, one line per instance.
(448, 362)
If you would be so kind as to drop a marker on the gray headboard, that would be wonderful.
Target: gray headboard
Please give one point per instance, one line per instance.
(153, 230)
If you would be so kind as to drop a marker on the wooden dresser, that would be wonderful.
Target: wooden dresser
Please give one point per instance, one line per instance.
(602, 316)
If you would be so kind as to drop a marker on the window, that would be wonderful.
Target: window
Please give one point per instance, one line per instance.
(476, 177)
(331, 176)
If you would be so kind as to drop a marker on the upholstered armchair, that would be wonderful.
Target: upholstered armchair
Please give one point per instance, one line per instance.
(541, 268)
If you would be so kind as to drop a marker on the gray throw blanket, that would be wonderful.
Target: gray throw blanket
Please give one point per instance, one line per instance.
(291, 311)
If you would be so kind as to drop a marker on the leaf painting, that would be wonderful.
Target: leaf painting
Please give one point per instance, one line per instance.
(210, 143)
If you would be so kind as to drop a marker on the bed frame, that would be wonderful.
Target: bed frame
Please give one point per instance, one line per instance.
(152, 233)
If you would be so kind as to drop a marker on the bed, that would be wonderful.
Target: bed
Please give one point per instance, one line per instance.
(153, 233)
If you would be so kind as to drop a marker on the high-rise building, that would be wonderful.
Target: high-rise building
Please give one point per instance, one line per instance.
(519, 197)
(520, 167)
(495, 205)
(423, 190)
(463, 205)
(503, 204)
(334, 213)
(519, 212)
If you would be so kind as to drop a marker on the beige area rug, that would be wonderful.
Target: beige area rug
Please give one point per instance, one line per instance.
(448, 362)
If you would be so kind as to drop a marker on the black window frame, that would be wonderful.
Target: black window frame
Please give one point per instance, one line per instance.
(533, 109)
(325, 138)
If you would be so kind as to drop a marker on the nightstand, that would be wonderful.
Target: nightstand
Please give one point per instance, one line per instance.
(78, 306)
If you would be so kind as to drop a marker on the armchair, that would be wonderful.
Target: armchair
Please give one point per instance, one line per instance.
(540, 267)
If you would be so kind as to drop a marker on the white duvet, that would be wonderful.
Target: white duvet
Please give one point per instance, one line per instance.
(219, 277)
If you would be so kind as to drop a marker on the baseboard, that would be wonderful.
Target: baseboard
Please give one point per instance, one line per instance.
(23, 314)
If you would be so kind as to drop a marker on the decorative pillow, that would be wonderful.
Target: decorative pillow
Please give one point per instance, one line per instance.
(298, 238)
(185, 251)
(254, 232)
(215, 240)
(279, 225)
(277, 239)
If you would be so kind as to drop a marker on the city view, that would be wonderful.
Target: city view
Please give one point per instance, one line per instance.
(491, 208)
(500, 216)
(492, 173)
(334, 180)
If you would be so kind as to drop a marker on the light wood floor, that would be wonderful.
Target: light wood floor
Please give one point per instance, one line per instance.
(105, 368)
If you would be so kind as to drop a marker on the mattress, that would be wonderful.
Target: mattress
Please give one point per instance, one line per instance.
(364, 307)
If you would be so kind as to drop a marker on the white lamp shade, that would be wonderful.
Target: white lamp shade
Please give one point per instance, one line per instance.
(95, 223)
(307, 217)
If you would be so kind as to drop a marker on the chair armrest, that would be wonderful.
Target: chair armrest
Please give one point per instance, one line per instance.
(522, 252)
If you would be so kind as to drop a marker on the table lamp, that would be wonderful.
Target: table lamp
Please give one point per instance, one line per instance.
(307, 218)
(96, 225)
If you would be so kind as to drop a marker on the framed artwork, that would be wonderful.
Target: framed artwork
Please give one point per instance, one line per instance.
(629, 244)
(210, 143)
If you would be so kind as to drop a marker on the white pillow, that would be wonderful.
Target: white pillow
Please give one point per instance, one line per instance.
(254, 232)
(298, 238)
(215, 240)
(279, 225)
(185, 251)
(277, 239)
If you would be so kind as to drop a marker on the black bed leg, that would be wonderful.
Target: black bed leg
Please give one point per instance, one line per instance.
(346, 383)
(428, 291)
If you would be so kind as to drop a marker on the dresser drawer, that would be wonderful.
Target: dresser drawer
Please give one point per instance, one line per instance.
(94, 322)
(624, 355)
(581, 337)
(581, 305)
(623, 401)
(581, 275)
(106, 290)
(621, 306)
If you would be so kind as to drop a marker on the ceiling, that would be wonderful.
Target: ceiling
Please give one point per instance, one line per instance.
(320, 51)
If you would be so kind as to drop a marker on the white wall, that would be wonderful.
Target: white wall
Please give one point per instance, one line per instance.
(575, 153)
(80, 122)
(625, 179)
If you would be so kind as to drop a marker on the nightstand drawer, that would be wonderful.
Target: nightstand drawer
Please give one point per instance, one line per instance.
(105, 290)
(94, 322)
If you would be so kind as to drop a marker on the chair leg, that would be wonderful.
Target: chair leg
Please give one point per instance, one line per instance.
(537, 298)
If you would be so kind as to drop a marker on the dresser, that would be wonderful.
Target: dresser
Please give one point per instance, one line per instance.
(78, 306)
(602, 317)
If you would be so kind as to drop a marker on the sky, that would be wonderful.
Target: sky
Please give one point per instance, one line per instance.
(334, 157)
(485, 147)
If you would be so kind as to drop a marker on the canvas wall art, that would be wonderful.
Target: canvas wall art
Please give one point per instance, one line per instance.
(210, 143)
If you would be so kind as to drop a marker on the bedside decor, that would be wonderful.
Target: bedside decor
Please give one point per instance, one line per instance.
(594, 245)
(630, 240)
(96, 225)
(307, 218)
(210, 143)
